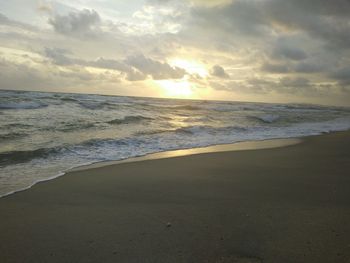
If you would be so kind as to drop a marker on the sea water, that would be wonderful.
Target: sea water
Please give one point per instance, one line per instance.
(44, 134)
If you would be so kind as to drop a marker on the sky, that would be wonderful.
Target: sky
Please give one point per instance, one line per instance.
(287, 51)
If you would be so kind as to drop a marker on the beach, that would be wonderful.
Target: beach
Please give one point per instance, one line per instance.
(286, 204)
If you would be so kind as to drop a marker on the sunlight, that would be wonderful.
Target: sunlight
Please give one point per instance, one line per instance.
(175, 88)
(192, 67)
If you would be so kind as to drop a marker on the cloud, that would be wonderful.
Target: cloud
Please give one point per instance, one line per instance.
(20, 76)
(45, 7)
(327, 20)
(297, 82)
(211, 3)
(219, 71)
(285, 49)
(342, 75)
(156, 69)
(310, 67)
(269, 46)
(59, 56)
(109, 64)
(131, 73)
(135, 75)
(24, 76)
(4, 20)
(321, 19)
(275, 67)
(82, 23)
(242, 17)
(259, 85)
(134, 67)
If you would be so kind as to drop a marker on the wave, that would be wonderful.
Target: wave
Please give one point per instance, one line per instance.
(184, 107)
(193, 129)
(152, 132)
(188, 107)
(98, 105)
(88, 146)
(74, 127)
(196, 129)
(16, 157)
(69, 99)
(91, 105)
(17, 125)
(12, 136)
(22, 105)
(129, 119)
(267, 118)
(183, 130)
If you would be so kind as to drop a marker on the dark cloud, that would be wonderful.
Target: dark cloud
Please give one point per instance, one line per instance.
(309, 67)
(323, 19)
(59, 56)
(275, 67)
(285, 49)
(297, 82)
(304, 67)
(254, 86)
(219, 71)
(259, 85)
(342, 76)
(327, 20)
(78, 24)
(243, 17)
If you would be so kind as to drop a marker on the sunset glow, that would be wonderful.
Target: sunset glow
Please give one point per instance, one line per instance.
(191, 66)
(209, 49)
(176, 89)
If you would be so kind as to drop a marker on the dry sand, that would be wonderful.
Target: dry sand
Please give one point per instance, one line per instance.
(289, 204)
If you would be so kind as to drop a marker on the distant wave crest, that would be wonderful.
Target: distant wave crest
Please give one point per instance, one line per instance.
(267, 118)
(129, 119)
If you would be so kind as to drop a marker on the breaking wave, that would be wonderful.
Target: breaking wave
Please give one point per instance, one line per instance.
(129, 119)
(268, 118)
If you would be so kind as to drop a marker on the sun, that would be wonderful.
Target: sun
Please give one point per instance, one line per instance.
(191, 66)
(176, 88)
(182, 88)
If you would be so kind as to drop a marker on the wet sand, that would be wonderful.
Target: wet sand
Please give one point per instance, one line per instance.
(288, 204)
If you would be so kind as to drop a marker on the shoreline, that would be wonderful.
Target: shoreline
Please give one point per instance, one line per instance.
(227, 147)
(236, 146)
(287, 204)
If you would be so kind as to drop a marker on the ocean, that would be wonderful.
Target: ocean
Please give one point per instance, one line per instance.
(42, 135)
